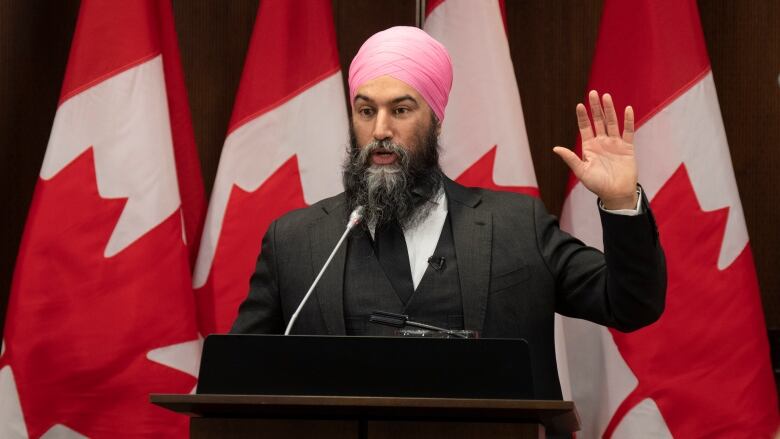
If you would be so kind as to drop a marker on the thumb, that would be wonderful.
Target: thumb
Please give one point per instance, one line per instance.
(575, 164)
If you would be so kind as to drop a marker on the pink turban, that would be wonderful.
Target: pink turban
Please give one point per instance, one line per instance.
(409, 55)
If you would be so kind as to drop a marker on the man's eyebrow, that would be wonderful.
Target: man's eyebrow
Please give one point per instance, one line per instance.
(403, 98)
(394, 101)
(365, 98)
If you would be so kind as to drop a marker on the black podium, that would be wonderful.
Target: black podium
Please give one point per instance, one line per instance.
(367, 387)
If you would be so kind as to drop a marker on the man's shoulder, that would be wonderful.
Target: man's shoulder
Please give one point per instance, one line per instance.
(309, 214)
(494, 200)
(504, 197)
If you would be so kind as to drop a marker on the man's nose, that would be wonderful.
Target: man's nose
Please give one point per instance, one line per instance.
(383, 126)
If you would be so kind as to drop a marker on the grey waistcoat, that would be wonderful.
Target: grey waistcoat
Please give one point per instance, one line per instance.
(436, 301)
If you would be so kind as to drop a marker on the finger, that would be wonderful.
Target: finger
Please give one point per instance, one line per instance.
(596, 113)
(586, 131)
(628, 125)
(570, 158)
(609, 112)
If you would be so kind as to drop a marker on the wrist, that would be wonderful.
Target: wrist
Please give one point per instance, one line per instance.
(620, 203)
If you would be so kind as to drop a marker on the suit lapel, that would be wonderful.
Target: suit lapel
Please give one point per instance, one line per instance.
(324, 235)
(472, 232)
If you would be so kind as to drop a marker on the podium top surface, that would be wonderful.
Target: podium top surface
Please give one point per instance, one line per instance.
(556, 416)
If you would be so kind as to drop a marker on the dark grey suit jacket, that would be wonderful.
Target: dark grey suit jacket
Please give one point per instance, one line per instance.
(516, 268)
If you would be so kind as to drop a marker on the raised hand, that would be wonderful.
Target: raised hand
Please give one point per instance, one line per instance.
(608, 165)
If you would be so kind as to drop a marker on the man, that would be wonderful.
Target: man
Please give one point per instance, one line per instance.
(452, 256)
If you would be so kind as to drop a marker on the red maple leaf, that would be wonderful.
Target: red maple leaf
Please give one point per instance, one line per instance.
(247, 217)
(80, 325)
(480, 174)
(706, 361)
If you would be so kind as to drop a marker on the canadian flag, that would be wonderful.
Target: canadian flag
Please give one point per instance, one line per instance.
(703, 369)
(483, 137)
(286, 140)
(101, 311)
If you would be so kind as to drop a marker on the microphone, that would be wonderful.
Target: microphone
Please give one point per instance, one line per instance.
(401, 320)
(437, 262)
(354, 219)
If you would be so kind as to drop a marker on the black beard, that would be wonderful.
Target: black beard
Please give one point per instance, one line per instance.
(396, 192)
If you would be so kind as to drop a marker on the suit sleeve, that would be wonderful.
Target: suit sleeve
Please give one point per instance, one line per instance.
(261, 312)
(624, 287)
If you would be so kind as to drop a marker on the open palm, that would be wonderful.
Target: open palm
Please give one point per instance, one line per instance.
(608, 164)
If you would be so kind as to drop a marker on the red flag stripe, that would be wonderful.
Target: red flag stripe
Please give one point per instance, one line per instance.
(97, 54)
(271, 75)
(431, 5)
(647, 34)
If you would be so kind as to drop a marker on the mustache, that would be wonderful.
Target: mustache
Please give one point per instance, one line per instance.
(364, 153)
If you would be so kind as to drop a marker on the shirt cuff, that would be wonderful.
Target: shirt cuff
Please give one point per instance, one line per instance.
(638, 210)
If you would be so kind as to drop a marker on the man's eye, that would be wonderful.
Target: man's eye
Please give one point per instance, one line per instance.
(366, 112)
(401, 110)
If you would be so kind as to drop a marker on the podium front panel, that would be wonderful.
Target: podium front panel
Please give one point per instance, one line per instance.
(366, 366)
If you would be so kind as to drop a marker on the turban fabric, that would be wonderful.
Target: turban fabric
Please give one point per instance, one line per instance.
(409, 55)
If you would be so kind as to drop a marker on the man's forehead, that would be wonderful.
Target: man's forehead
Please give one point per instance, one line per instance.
(388, 89)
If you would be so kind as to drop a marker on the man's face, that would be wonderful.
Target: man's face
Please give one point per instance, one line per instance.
(386, 108)
(393, 151)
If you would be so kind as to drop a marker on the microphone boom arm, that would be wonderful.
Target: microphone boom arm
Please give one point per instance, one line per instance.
(354, 219)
